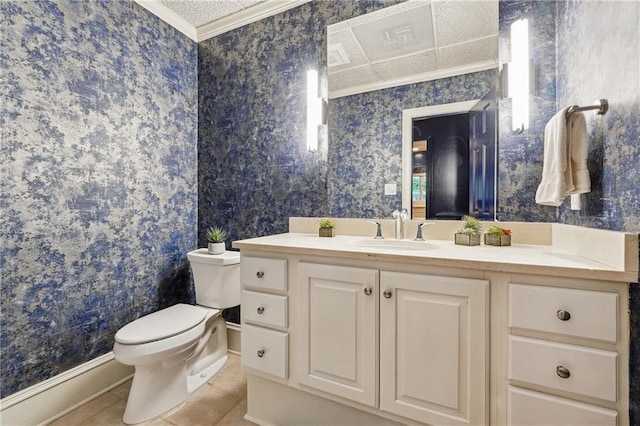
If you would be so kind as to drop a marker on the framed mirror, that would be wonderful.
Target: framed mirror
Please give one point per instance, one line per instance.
(412, 55)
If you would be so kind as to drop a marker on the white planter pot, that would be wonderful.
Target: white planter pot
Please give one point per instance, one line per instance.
(216, 248)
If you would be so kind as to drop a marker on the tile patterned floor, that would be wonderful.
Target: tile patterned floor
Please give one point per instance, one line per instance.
(221, 402)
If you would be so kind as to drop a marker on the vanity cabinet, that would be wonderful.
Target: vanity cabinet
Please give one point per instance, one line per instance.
(562, 356)
(433, 348)
(264, 307)
(415, 343)
(338, 335)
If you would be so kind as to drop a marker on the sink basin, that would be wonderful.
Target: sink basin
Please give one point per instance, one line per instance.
(389, 244)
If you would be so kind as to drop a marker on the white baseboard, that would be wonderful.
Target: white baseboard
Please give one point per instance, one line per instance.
(233, 337)
(55, 397)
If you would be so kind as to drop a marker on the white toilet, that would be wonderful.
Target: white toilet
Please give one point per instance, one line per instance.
(178, 349)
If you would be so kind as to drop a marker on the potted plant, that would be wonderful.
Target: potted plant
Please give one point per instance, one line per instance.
(216, 236)
(327, 228)
(469, 234)
(496, 236)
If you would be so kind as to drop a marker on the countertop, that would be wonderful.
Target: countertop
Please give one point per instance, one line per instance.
(517, 258)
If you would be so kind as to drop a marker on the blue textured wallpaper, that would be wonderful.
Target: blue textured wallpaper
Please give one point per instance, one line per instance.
(520, 155)
(606, 65)
(99, 174)
(365, 140)
(254, 169)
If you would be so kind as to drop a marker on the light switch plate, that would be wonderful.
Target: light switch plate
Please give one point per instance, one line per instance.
(390, 189)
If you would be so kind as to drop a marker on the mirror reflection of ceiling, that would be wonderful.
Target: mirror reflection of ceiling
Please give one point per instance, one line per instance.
(415, 41)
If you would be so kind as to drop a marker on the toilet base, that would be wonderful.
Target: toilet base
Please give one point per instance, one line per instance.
(159, 387)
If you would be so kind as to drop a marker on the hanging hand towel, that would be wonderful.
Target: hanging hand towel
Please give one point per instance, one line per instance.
(579, 173)
(553, 186)
(565, 169)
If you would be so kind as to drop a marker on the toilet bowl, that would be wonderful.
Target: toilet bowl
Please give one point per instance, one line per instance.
(178, 349)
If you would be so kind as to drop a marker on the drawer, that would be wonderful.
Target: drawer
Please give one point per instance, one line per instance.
(526, 407)
(262, 273)
(263, 308)
(265, 350)
(590, 314)
(592, 372)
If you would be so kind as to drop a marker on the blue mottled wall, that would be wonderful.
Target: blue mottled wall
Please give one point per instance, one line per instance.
(607, 65)
(98, 186)
(365, 140)
(255, 171)
(520, 155)
(582, 51)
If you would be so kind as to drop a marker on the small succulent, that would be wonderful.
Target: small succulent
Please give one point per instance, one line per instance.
(471, 226)
(497, 231)
(327, 224)
(216, 234)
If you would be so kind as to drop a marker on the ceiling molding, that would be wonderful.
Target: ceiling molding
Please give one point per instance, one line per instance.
(169, 16)
(416, 78)
(246, 16)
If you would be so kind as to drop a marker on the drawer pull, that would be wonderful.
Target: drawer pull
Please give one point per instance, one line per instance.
(563, 372)
(259, 274)
(368, 291)
(387, 294)
(563, 315)
(260, 310)
(260, 353)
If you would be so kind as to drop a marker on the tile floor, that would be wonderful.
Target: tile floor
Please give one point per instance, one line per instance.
(221, 402)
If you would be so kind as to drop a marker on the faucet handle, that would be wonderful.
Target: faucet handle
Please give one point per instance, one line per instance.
(378, 229)
(419, 235)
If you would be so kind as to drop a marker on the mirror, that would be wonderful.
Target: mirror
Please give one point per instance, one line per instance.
(404, 57)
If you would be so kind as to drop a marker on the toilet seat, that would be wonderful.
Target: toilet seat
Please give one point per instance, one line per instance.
(163, 324)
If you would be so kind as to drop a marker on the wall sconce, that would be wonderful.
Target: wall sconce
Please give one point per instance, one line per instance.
(519, 75)
(316, 110)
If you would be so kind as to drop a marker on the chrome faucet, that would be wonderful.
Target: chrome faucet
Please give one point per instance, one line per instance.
(419, 234)
(400, 216)
(378, 229)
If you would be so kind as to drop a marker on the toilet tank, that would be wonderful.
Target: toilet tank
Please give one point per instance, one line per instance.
(216, 278)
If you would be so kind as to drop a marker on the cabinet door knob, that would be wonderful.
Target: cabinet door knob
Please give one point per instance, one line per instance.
(260, 309)
(387, 294)
(563, 315)
(260, 353)
(368, 291)
(563, 372)
(260, 274)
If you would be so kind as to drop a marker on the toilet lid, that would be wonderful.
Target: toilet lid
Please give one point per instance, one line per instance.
(161, 325)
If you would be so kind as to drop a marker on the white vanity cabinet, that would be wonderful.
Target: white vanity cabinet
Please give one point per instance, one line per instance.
(337, 342)
(564, 355)
(351, 330)
(434, 336)
(264, 307)
(415, 343)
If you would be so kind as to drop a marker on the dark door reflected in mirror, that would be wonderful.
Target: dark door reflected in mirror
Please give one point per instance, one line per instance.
(453, 164)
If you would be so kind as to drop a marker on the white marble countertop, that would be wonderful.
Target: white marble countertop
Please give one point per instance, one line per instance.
(518, 258)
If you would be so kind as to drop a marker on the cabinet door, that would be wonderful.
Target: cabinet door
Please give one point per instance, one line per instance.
(433, 348)
(337, 334)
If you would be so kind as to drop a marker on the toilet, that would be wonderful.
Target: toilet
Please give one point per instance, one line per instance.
(178, 349)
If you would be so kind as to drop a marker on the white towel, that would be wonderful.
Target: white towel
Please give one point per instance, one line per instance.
(565, 159)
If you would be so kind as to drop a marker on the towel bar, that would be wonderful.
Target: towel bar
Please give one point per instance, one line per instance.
(602, 105)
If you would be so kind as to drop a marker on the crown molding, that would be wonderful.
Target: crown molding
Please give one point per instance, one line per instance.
(246, 16)
(220, 26)
(416, 78)
(168, 16)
